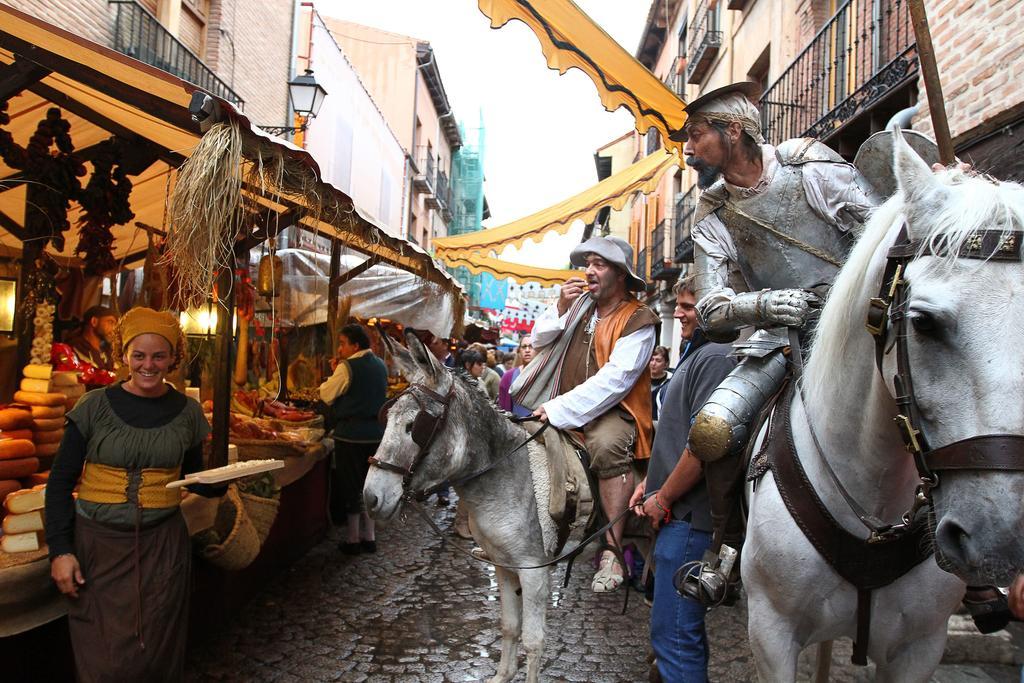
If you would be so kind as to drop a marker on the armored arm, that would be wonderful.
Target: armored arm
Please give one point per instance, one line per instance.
(722, 311)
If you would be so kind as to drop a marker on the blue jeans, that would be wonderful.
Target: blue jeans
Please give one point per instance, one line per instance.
(677, 625)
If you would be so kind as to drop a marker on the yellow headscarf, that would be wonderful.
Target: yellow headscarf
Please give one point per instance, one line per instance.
(144, 320)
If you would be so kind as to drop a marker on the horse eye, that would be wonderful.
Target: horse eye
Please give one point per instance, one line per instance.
(925, 323)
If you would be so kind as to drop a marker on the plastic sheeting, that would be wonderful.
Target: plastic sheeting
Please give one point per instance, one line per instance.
(381, 291)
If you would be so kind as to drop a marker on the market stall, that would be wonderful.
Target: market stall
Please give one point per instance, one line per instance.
(80, 121)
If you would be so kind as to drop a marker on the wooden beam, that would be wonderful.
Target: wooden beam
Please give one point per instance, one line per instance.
(143, 101)
(353, 273)
(332, 293)
(273, 222)
(60, 99)
(11, 226)
(17, 76)
(222, 367)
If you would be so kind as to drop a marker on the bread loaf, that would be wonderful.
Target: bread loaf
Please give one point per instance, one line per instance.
(26, 500)
(15, 434)
(15, 418)
(47, 412)
(12, 449)
(39, 386)
(19, 524)
(19, 543)
(34, 398)
(49, 436)
(34, 371)
(44, 424)
(18, 468)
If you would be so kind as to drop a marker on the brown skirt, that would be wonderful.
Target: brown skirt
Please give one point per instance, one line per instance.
(130, 618)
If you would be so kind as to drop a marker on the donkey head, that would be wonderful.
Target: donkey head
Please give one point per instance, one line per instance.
(965, 323)
(417, 428)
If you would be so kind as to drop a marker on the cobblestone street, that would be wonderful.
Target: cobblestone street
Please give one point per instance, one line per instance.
(419, 611)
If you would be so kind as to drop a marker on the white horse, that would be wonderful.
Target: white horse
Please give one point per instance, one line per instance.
(426, 443)
(965, 321)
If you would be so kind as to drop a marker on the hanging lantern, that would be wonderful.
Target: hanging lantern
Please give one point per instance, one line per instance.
(270, 274)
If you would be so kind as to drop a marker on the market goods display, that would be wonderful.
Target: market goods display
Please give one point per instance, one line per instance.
(15, 417)
(48, 394)
(13, 449)
(25, 500)
(33, 398)
(42, 338)
(235, 470)
(20, 543)
(23, 520)
(19, 524)
(18, 468)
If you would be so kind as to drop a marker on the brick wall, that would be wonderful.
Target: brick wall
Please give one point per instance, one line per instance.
(251, 55)
(811, 16)
(979, 47)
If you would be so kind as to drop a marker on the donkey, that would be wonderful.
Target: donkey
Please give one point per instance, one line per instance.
(442, 429)
(956, 321)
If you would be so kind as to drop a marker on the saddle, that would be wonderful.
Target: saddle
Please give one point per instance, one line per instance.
(571, 483)
(865, 565)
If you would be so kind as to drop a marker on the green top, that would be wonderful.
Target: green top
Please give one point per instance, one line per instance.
(162, 429)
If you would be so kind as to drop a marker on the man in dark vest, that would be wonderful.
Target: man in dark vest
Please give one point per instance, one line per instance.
(355, 393)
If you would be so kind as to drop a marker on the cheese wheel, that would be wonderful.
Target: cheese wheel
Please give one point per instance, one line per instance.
(47, 448)
(49, 436)
(19, 524)
(69, 404)
(15, 418)
(12, 449)
(43, 424)
(37, 478)
(26, 500)
(47, 412)
(36, 371)
(16, 469)
(65, 379)
(39, 386)
(75, 391)
(8, 486)
(20, 543)
(34, 398)
(16, 434)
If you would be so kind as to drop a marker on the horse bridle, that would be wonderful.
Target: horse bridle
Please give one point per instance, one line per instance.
(988, 452)
(425, 426)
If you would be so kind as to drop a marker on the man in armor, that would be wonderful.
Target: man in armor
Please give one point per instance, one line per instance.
(772, 228)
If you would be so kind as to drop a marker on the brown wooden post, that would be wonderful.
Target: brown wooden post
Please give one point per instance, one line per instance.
(222, 366)
(36, 225)
(332, 295)
(933, 87)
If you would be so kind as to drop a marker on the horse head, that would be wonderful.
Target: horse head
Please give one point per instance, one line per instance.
(963, 305)
(416, 427)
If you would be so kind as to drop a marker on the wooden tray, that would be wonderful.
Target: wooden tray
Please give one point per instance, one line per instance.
(228, 472)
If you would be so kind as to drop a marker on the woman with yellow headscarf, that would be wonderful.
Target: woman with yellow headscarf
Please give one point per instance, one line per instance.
(121, 551)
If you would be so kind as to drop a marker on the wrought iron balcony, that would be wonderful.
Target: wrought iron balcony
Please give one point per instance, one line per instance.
(686, 204)
(662, 265)
(443, 193)
(423, 176)
(865, 51)
(676, 78)
(705, 39)
(139, 34)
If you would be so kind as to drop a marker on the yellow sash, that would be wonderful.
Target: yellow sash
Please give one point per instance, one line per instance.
(106, 484)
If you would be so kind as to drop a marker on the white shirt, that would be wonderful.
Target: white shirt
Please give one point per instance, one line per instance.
(609, 385)
(337, 384)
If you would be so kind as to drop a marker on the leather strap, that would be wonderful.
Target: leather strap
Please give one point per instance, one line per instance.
(1003, 452)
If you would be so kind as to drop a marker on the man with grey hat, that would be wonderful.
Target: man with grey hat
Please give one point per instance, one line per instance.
(772, 228)
(591, 374)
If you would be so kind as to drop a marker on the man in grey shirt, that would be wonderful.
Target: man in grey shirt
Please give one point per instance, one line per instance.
(679, 507)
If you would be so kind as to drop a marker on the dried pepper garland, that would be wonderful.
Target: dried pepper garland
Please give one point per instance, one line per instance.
(55, 173)
(105, 203)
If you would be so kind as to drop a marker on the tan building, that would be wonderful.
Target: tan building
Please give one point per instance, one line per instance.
(238, 50)
(609, 159)
(402, 75)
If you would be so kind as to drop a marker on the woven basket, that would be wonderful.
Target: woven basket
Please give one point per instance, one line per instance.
(241, 542)
(262, 512)
(265, 449)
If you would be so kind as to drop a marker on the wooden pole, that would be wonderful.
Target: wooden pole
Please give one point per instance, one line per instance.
(36, 226)
(930, 71)
(222, 368)
(332, 296)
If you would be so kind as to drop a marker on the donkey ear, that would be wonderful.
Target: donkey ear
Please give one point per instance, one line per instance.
(921, 188)
(424, 360)
(403, 359)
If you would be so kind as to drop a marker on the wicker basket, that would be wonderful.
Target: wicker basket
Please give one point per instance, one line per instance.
(262, 512)
(264, 449)
(241, 542)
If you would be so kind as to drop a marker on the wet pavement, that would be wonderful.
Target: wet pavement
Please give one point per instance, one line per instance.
(418, 611)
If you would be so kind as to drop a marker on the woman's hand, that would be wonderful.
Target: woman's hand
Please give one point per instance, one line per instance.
(67, 574)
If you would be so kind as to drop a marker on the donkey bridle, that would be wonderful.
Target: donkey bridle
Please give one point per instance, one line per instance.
(1002, 452)
(425, 427)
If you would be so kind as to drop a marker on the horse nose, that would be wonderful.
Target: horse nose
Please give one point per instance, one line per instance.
(953, 540)
(370, 499)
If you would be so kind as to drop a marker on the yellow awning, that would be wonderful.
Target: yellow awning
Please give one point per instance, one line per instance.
(614, 191)
(569, 38)
(477, 263)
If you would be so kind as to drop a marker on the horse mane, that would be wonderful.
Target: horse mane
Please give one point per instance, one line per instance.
(975, 202)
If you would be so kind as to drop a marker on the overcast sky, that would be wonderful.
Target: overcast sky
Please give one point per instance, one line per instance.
(542, 129)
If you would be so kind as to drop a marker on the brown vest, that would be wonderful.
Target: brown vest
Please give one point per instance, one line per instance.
(585, 355)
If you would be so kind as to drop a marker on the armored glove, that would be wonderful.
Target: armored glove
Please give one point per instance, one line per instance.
(775, 307)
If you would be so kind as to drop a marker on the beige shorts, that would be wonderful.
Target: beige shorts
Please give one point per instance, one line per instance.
(609, 440)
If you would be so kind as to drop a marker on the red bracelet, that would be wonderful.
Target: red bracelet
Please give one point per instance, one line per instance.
(667, 511)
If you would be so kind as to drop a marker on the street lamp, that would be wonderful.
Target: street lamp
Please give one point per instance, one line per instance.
(306, 96)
